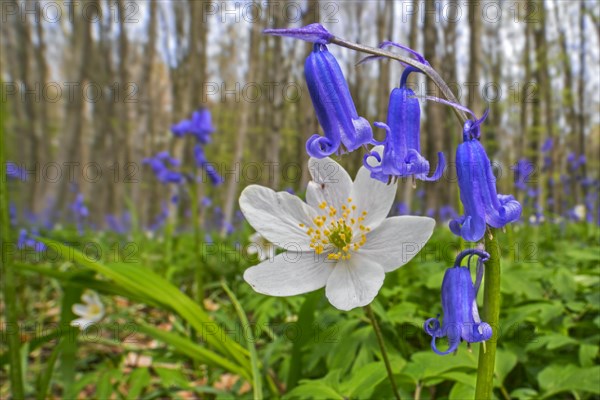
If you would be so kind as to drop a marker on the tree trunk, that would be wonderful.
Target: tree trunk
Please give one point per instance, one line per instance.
(233, 181)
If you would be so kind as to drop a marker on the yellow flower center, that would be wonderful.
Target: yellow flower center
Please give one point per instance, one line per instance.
(334, 230)
(93, 310)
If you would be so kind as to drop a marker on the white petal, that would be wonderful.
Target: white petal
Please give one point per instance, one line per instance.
(289, 274)
(372, 196)
(277, 215)
(397, 240)
(81, 323)
(330, 183)
(79, 309)
(354, 283)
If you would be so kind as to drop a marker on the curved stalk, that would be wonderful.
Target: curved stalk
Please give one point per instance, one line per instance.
(426, 69)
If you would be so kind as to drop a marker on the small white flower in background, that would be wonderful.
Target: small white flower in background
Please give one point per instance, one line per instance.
(340, 238)
(89, 313)
(261, 247)
(579, 212)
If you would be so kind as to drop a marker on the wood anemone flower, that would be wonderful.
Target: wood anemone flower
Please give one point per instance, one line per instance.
(339, 239)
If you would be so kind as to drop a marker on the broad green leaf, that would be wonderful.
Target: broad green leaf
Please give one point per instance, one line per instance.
(363, 381)
(524, 394)
(505, 362)
(313, 390)
(426, 365)
(324, 388)
(587, 354)
(461, 391)
(564, 378)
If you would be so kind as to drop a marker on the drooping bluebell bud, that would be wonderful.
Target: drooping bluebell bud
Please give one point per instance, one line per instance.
(461, 317)
(334, 107)
(314, 33)
(482, 204)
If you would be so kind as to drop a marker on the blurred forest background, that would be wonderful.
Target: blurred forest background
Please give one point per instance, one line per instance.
(92, 87)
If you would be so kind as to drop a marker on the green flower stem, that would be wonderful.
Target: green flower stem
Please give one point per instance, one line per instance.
(386, 360)
(491, 314)
(7, 273)
(198, 272)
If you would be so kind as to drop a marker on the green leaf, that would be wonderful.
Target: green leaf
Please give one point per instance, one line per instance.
(524, 394)
(138, 380)
(104, 388)
(551, 342)
(256, 375)
(143, 282)
(587, 354)
(305, 324)
(313, 390)
(564, 378)
(505, 362)
(172, 378)
(461, 391)
(428, 365)
(363, 381)
(185, 346)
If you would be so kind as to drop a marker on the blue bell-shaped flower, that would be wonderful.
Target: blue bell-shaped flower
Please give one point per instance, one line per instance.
(482, 204)
(402, 144)
(334, 106)
(461, 317)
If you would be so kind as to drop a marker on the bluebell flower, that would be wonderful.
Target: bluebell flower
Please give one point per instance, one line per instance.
(402, 208)
(120, 225)
(334, 107)
(79, 207)
(314, 33)
(447, 213)
(80, 211)
(200, 126)
(13, 171)
(477, 185)
(461, 317)
(162, 172)
(206, 202)
(25, 240)
(575, 162)
(201, 162)
(523, 171)
(547, 146)
(161, 218)
(12, 213)
(402, 144)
